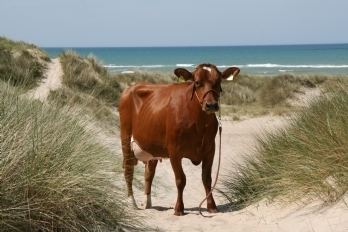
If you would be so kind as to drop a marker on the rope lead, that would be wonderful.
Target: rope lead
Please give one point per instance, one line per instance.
(218, 168)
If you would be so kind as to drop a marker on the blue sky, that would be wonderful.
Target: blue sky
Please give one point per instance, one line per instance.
(174, 23)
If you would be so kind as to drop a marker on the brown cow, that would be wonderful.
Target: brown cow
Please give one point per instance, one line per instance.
(172, 121)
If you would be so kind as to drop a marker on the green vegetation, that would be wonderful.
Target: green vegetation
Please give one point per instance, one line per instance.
(21, 64)
(259, 95)
(306, 161)
(53, 175)
(91, 107)
(88, 76)
(155, 78)
(88, 86)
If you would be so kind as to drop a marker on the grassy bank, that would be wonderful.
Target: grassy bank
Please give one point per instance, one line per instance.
(305, 162)
(21, 64)
(53, 175)
(260, 95)
(88, 86)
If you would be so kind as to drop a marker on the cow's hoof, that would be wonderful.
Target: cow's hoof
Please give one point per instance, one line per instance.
(131, 202)
(148, 202)
(213, 210)
(179, 213)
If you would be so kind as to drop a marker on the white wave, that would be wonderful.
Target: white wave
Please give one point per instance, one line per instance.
(127, 72)
(153, 66)
(185, 65)
(294, 66)
(134, 66)
(226, 66)
(120, 66)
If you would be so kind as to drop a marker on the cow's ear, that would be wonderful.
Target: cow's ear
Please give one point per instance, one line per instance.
(231, 73)
(181, 72)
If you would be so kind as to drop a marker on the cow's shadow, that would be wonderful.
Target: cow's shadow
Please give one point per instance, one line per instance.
(223, 208)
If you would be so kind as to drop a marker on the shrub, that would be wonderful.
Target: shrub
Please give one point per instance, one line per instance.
(236, 94)
(88, 76)
(53, 176)
(21, 69)
(139, 77)
(306, 161)
(88, 104)
(278, 89)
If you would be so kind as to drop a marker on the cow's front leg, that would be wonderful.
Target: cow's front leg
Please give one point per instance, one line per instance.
(180, 180)
(206, 178)
(150, 169)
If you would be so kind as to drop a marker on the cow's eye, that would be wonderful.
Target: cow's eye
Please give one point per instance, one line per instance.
(197, 83)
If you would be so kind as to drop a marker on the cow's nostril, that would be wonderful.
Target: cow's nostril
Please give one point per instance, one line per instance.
(212, 106)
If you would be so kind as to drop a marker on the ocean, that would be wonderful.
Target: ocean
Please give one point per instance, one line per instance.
(331, 59)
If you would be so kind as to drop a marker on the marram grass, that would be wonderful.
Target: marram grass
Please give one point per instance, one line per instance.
(53, 175)
(306, 161)
(88, 76)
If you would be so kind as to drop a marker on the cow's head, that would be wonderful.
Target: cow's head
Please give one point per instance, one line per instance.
(207, 83)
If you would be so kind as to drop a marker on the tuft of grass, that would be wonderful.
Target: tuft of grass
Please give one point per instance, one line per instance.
(20, 67)
(260, 95)
(88, 76)
(155, 78)
(91, 106)
(53, 176)
(304, 162)
(278, 89)
(18, 47)
(89, 87)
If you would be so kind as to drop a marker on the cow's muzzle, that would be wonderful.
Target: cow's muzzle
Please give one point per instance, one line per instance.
(211, 107)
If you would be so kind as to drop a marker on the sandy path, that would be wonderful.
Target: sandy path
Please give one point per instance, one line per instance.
(238, 138)
(52, 81)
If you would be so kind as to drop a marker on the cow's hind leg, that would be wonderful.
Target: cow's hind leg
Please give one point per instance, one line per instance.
(128, 174)
(150, 169)
(206, 178)
(180, 180)
(129, 159)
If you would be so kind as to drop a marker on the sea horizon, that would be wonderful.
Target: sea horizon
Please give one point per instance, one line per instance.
(328, 59)
(183, 46)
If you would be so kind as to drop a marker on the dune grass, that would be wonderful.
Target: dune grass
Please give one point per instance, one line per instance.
(140, 77)
(88, 76)
(266, 90)
(90, 87)
(22, 69)
(53, 175)
(92, 108)
(15, 45)
(305, 162)
(260, 95)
